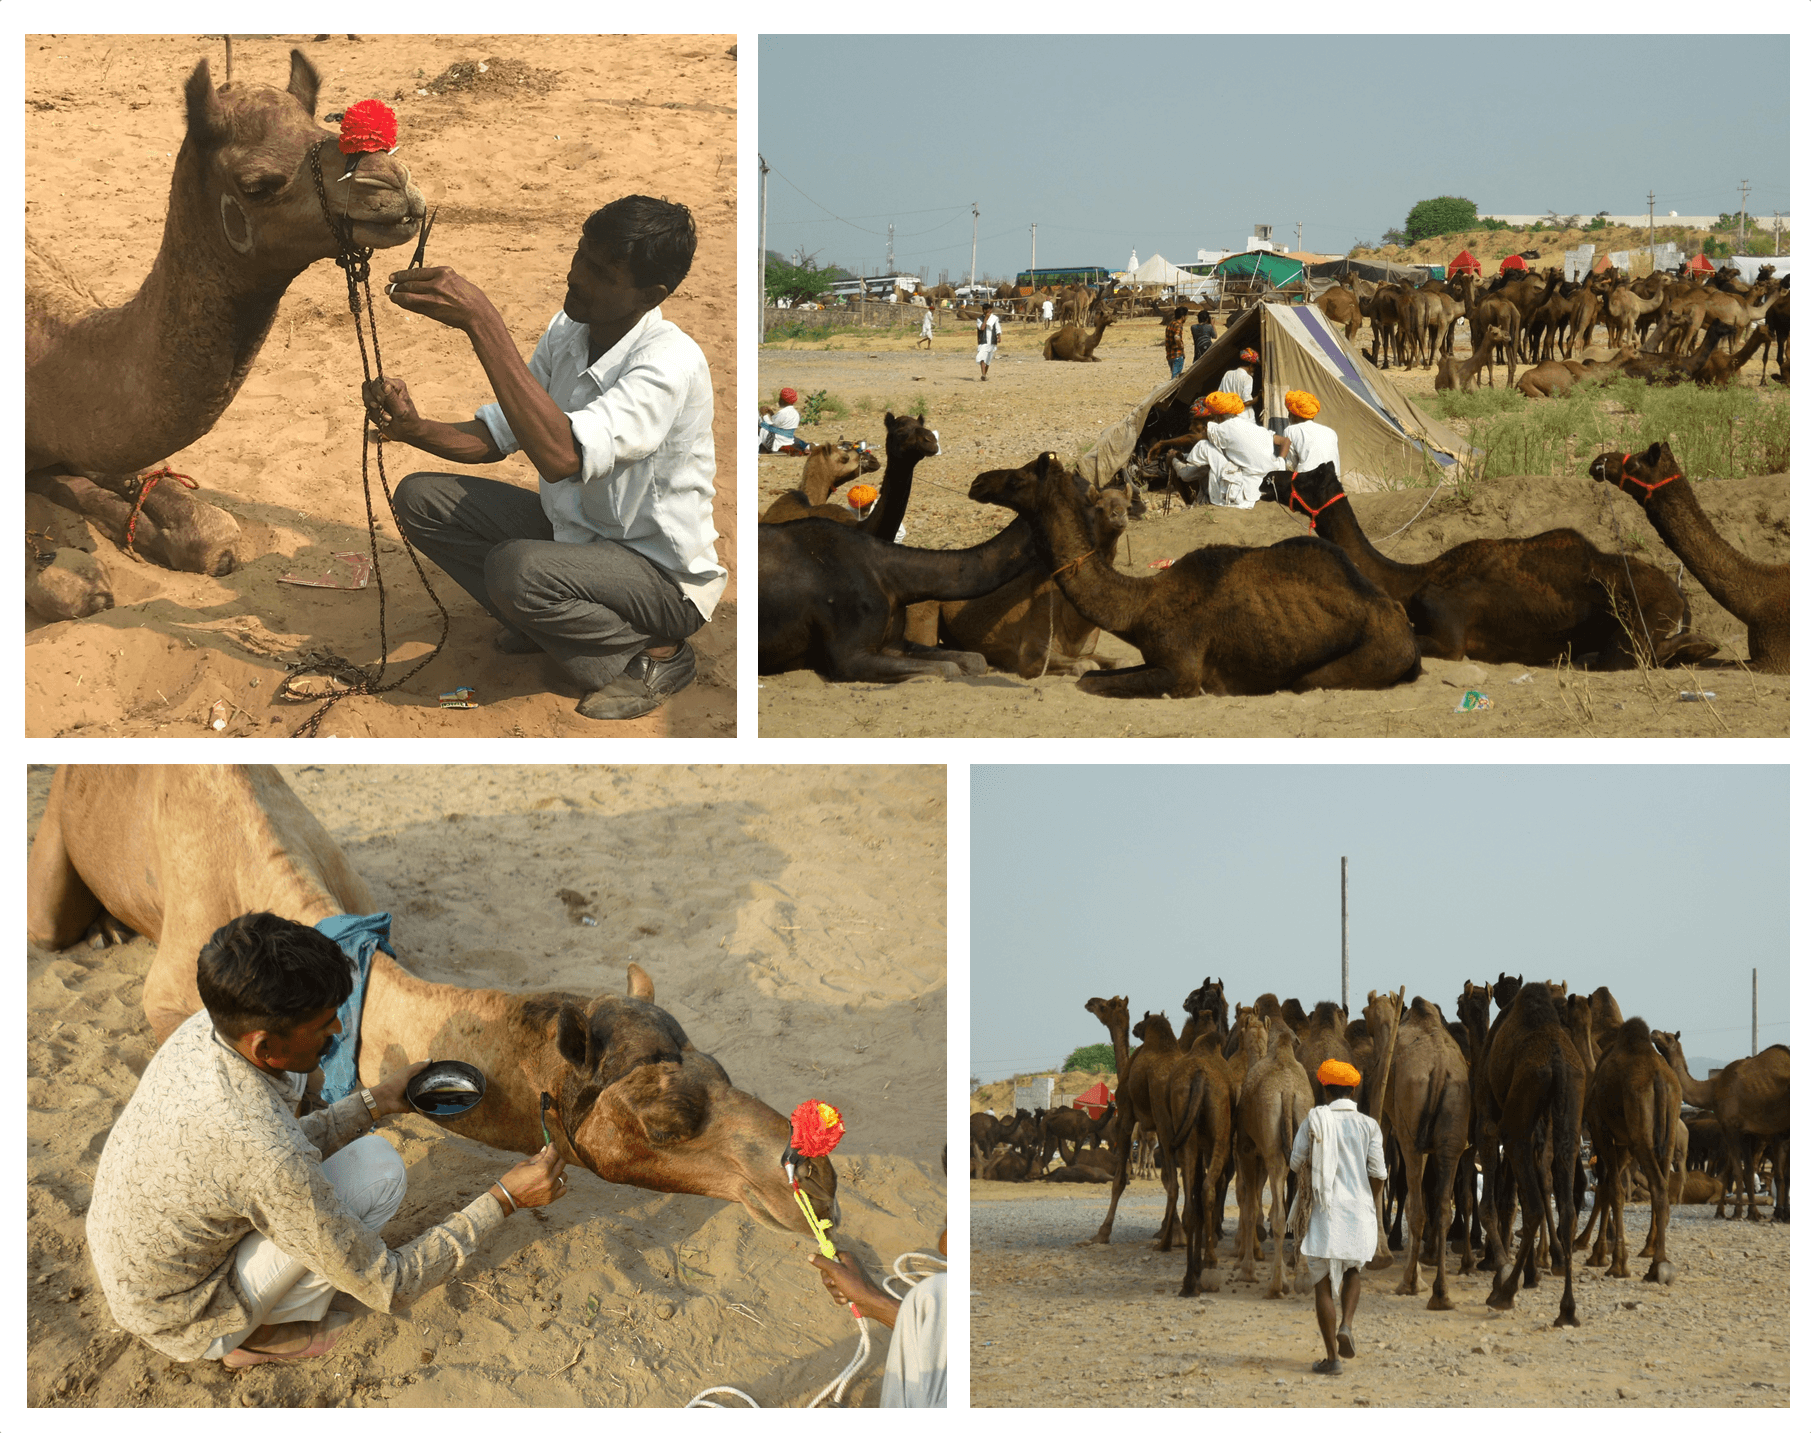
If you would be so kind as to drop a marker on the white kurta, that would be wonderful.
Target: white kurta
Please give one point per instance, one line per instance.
(1237, 380)
(1310, 445)
(1341, 1150)
(1236, 453)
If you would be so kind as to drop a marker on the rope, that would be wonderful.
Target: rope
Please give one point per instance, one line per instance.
(145, 485)
(356, 262)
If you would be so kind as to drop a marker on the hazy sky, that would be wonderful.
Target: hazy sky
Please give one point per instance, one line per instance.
(1666, 883)
(1174, 144)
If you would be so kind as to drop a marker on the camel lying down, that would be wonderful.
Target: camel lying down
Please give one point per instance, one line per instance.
(174, 852)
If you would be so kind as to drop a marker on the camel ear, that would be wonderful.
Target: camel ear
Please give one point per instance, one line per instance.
(641, 987)
(304, 80)
(207, 126)
(574, 1036)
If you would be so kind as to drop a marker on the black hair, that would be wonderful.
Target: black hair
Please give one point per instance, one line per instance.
(654, 238)
(1181, 309)
(261, 972)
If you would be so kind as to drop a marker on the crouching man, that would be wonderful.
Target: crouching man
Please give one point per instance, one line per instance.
(221, 1224)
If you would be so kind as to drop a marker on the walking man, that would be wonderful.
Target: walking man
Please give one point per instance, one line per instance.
(1172, 340)
(987, 338)
(1202, 331)
(1338, 1159)
(924, 332)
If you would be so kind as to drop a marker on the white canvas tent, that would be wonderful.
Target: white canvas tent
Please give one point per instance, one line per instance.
(1385, 440)
(1159, 270)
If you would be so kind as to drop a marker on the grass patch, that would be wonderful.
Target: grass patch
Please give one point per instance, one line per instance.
(798, 332)
(1715, 432)
(918, 408)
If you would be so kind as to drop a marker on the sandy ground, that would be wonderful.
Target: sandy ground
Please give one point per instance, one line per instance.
(1028, 405)
(515, 169)
(731, 886)
(1110, 1331)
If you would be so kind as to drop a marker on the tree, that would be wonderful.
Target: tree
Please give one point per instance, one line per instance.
(799, 282)
(1446, 215)
(1096, 1059)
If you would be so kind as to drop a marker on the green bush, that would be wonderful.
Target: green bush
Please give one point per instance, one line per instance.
(1095, 1059)
(1448, 214)
(820, 406)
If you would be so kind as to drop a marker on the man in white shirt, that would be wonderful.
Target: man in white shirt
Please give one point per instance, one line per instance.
(1049, 311)
(1338, 1158)
(926, 329)
(613, 565)
(987, 338)
(1241, 379)
(780, 426)
(1308, 444)
(1235, 454)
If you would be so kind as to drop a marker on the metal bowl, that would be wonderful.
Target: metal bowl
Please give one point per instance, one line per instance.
(446, 1090)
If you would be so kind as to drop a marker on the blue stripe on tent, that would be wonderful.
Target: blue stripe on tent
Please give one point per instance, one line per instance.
(1314, 322)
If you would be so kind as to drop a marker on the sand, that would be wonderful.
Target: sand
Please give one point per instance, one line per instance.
(1028, 405)
(1082, 1325)
(515, 168)
(792, 921)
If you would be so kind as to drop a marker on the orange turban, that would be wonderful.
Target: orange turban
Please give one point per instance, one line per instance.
(862, 494)
(1301, 403)
(1225, 403)
(1337, 1072)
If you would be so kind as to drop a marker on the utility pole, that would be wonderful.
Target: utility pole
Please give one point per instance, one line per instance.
(1034, 254)
(889, 248)
(1345, 941)
(1298, 236)
(974, 243)
(1742, 227)
(1650, 231)
(1754, 1010)
(763, 313)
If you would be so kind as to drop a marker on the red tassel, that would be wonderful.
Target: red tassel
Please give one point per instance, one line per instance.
(369, 126)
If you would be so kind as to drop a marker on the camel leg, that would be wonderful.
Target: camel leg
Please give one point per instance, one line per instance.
(1166, 1233)
(1248, 1196)
(1122, 1150)
(1414, 1166)
(59, 907)
(1610, 1194)
(887, 667)
(1438, 1298)
(1660, 1212)
(174, 528)
(1143, 680)
(1275, 1172)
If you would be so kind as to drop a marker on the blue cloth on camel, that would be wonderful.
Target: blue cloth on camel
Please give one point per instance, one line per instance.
(358, 936)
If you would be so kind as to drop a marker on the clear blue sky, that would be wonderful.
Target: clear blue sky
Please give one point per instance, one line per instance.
(1173, 144)
(1666, 883)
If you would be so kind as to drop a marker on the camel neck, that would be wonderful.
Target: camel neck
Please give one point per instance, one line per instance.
(1339, 525)
(1701, 1093)
(935, 574)
(1726, 573)
(895, 492)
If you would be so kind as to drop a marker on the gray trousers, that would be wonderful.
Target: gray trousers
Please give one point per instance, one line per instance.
(591, 605)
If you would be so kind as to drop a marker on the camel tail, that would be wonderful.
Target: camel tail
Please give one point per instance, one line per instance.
(1663, 1132)
(1430, 1113)
(1191, 1109)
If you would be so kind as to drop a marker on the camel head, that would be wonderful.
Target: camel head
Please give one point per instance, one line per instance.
(1210, 996)
(1108, 1012)
(1505, 988)
(836, 464)
(245, 189)
(1015, 488)
(909, 437)
(1638, 474)
(1328, 1015)
(638, 1104)
(1254, 1035)
(1474, 1007)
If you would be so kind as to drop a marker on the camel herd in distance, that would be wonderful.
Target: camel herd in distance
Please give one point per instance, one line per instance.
(1553, 1094)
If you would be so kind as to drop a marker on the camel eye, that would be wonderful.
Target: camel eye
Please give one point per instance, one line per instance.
(263, 186)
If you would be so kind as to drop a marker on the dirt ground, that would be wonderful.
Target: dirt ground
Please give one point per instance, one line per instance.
(515, 168)
(790, 973)
(1058, 1323)
(1028, 406)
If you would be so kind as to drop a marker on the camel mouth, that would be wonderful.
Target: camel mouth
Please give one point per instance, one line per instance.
(386, 233)
(765, 1218)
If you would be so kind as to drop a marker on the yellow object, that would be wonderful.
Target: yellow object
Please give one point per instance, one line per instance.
(859, 497)
(1301, 403)
(818, 1226)
(1337, 1072)
(1225, 403)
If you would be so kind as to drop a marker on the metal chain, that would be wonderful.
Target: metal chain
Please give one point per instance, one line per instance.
(356, 262)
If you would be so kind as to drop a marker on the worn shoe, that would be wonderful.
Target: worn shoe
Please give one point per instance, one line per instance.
(514, 643)
(1347, 1349)
(1327, 1365)
(326, 1334)
(645, 684)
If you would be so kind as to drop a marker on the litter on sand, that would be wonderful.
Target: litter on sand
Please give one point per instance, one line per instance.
(458, 698)
(346, 571)
(1697, 696)
(1474, 702)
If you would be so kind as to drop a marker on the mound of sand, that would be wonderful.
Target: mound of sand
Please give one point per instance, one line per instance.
(515, 156)
(731, 887)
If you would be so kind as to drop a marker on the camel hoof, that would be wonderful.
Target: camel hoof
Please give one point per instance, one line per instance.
(70, 587)
(1439, 1303)
(181, 532)
(1381, 1261)
(1661, 1273)
(1566, 1320)
(1597, 1261)
(1213, 1281)
(1273, 1293)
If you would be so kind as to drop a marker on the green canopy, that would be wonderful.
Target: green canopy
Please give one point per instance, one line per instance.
(1278, 269)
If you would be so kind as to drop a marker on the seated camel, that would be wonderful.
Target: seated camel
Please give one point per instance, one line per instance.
(175, 852)
(833, 598)
(1514, 599)
(1233, 621)
(827, 467)
(111, 391)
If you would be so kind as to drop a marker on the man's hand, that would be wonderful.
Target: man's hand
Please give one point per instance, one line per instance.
(440, 294)
(389, 1095)
(538, 1181)
(848, 1284)
(388, 405)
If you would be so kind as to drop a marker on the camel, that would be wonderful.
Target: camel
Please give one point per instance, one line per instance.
(1135, 1115)
(1227, 620)
(1324, 1038)
(1717, 368)
(1340, 305)
(1535, 1084)
(1495, 310)
(1427, 1098)
(1779, 334)
(1752, 1100)
(1527, 599)
(175, 852)
(983, 1131)
(1704, 305)
(1068, 1129)
(1757, 593)
(1028, 627)
(1204, 1130)
(1205, 1007)
(834, 599)
(1464, 376)
(1631, 1108)
(1274, 1099)
(1623, 306)
(111, 391)
(827, 467)
(1070, 344)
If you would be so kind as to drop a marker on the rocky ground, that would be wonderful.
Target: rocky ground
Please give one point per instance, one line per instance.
(1059, 1323)
(1028, 406)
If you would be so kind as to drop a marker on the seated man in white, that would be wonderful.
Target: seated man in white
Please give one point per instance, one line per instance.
(1307, 444)
(1234, 456)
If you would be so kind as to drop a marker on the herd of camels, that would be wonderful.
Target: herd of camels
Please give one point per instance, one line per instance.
(1479, 1115)
(840, 597)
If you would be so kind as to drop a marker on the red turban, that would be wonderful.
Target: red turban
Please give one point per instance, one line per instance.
(789, 395)
(1248, 355)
